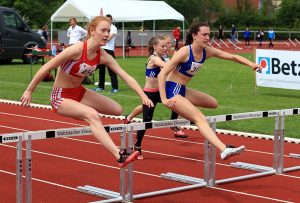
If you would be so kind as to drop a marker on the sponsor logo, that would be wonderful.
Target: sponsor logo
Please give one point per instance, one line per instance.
(163, 124)
(116, 129)
(68, 132)
(246, 116)
(275, 66)
(10, 138)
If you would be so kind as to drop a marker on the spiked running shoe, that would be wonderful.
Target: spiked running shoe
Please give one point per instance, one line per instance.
(232, 151)
(139, 149)
(178, 133)
(126, 158)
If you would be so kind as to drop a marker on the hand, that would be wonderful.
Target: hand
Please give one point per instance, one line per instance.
(170, 103)
(257, 67)
(148, 102)
(26, 98)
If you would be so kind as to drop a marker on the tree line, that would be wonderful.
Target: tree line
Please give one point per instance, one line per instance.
(38, 12)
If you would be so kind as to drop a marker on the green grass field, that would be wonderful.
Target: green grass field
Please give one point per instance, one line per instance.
(232, 84)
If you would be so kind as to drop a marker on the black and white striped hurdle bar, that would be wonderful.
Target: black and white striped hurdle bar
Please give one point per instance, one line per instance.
(68, 132)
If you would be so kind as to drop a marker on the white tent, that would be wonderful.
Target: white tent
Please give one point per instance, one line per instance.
(121, 10)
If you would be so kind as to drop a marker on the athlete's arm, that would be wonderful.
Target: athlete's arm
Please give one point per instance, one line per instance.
(157, 61)
(130, 81)
(72, 52)
(177, 58)
(233, 57)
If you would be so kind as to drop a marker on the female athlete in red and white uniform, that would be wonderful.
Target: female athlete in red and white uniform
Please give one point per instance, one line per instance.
(69, 98)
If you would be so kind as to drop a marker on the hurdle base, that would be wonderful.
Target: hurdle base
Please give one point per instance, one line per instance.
(182, 178)
(91, 190)
(297, 156)
(251, 167)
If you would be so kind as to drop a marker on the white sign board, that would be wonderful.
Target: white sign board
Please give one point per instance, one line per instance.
(281, 69)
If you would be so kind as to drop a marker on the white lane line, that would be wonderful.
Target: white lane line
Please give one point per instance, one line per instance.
(156, 137)
(82, 161)
(138, 172)
(252, 195)
(43, 119)
(43, 181)
(8, 127)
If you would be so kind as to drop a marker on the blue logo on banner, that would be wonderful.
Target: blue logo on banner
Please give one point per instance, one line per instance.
(265, 63)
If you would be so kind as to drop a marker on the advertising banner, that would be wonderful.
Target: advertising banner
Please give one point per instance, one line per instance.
(281, 69)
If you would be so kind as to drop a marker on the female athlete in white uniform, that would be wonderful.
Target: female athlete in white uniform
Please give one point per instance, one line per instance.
(179, 71)
(69, 98)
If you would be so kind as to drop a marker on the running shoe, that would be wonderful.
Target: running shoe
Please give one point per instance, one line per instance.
(178, 133)
(98, 89)
(139, 149)
(232, 151)
(126, 158)
(114, 91)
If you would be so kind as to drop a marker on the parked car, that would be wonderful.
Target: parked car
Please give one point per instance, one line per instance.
(16, 37)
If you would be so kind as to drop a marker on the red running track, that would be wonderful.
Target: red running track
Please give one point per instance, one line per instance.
(62, 164)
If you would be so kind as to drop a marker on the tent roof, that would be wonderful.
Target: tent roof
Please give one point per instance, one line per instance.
(121, 10)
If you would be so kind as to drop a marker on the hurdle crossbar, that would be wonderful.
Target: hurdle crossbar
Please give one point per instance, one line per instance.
(263, 170)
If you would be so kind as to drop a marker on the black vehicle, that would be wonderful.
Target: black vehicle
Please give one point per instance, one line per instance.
(16, 37)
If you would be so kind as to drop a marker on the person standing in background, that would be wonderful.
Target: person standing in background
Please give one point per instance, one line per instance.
(110, 49)
(221, 33)
(233, 33)
(260, 37)
(247, 37)
(271, 37)
(176, 35)
(75, 32)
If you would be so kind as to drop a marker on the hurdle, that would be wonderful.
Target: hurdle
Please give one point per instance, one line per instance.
(214, 41)
(223, 42)
(239, 48)
(126, 173)
(291, 41)
(209, 154)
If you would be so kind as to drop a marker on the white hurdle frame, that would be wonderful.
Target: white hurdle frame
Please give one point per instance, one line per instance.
(209, 162)
(209, 150)
(126, 173)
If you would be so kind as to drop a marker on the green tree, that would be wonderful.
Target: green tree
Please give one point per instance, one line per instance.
(36, 12)
(288, 13)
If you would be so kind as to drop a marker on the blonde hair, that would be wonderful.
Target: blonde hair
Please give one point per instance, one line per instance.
(154, 41)
(94, 22)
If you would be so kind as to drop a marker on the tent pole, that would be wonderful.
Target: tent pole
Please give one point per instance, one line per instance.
(123, 40)
(153, 28)
(51, 42)
(183, 32)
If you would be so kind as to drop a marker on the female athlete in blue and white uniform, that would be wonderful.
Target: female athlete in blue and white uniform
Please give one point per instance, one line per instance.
(176, 74)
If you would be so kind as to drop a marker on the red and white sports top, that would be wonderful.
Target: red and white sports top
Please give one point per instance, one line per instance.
(82, 67)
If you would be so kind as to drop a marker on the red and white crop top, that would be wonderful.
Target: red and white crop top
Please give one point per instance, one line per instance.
(82, 67)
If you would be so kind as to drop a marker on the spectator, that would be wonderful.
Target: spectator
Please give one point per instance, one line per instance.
(260, 36)
(75, 32)
(176, 35)
(271, 37)
(129, 41)
(110, 49)
(233, 33)
(221, 33)
(45, 33)
(247, 37)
